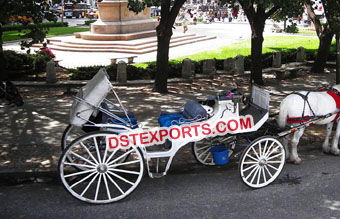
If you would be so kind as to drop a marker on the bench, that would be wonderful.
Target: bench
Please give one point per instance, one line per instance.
(129, 58)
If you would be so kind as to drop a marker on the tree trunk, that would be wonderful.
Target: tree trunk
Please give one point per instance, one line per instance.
(257, 28)
(325, 41)
(163, 43)
(337, 81)
(3, 73)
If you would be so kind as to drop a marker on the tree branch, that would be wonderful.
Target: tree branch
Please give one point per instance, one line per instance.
(315, 20)
(174, 11)
(271, 11)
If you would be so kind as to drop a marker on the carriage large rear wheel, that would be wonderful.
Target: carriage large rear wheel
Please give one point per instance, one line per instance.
(96, 175)
(262, 162)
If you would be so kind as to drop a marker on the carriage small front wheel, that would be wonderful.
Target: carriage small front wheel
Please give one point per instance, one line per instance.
(96, 175)
(262, 162)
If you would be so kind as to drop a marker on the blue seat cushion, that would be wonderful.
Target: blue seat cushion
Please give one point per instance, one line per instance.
(194, 111)
(168, 119)
(108, 119)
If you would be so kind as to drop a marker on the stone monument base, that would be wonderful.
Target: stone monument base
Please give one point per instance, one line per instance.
(110, 37)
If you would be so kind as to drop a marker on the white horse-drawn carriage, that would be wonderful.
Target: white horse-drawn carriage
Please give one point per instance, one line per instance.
(95, 170)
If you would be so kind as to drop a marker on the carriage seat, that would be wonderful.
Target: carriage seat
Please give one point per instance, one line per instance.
(105, 118)
(192, 112)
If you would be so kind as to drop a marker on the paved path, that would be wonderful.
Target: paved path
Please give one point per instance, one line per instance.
(310, 190)
(226, 33)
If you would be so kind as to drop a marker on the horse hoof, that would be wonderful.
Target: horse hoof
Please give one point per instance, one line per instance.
(335, 152)
(296, 161)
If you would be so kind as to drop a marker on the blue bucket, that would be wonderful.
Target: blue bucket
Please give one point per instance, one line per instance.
(220, 154)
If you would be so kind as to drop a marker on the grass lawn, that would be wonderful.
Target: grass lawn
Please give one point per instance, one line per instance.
(53, 31)
(307, 32)
(270, 44)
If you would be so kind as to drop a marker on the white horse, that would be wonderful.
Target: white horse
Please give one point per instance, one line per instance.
(294, 107)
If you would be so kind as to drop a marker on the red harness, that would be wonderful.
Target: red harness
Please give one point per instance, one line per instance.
(336, 98)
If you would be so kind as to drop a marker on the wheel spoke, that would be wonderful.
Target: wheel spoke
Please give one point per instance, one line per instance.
(260, 149)
(259, 176)
(97, 150)
(105, 153)
(250, 162)
(264, 175)
(255, 173)
(206, 157)
(111, 155)
(121, 178)
(85, 178)
(265, 148)
(273, 151)
(120, 157)
(252, 157)
(88, 152)
(125, 163)
(265, 167)
(271, 166)
(270, 147)
(124, 171)
(204, 152)
(115, 184)
(248, 168)
(79, 165)
(272, 161)
(79, 173)
(106, 186)
(83, 158)
(270, 158)
(256, 154)
(98, 186)
(207, 146)
(251, 172)
(88, 186)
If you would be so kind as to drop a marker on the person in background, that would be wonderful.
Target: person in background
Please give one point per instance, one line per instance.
(46, 50)
(185, 25)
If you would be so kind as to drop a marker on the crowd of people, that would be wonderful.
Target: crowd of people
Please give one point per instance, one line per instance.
(209, 13)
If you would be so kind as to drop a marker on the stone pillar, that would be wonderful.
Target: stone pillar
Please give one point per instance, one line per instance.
(276, 59)
(229, 65)
(208, 66)
(300, 56)
(121, 72)
(51, 76)
(239, 64)
(186, 68)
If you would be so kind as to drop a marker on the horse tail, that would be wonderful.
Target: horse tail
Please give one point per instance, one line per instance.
(283, 113)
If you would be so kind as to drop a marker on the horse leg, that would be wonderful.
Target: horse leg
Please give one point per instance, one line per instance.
(294, 157)
(334, 149)
(285, 144)
(325, 145)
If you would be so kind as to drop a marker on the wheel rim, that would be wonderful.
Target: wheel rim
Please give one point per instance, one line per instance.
(71, 133)
(201, 149)
(262, 162)
(99, 177)
(202, 152)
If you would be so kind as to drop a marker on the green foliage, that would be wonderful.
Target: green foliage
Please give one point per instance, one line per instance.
(20, 27)
(292, 28)
(26, 12)
(88, 22)
(53, 31)
(19, 64)
(138, 6)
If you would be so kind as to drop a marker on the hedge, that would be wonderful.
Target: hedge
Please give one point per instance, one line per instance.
(19, 64)
(33, 64)
(19, 27)
(88, 22)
